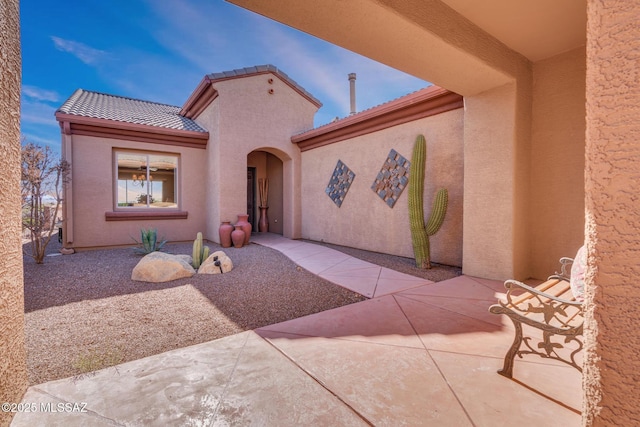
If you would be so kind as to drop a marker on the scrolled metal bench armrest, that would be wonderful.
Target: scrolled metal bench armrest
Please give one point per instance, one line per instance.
(556, 312)
(565, 270)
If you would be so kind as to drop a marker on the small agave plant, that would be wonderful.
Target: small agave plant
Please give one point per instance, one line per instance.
(149, 242)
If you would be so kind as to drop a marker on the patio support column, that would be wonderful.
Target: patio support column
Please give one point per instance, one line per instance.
(612, 185)
(13, 366)
(497, 144)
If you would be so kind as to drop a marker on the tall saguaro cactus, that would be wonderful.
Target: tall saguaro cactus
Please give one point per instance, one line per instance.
(419, 231)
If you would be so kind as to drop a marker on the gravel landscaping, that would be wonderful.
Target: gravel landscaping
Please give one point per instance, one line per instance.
(83, 312)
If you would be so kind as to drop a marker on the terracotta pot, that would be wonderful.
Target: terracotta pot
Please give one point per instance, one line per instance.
(246, 227)
(237, 236)
(263, 223)
(225, 234)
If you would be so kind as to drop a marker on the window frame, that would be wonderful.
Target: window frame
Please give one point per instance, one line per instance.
(145, 212)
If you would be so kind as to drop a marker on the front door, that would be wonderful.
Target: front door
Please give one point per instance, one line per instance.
(251, 196)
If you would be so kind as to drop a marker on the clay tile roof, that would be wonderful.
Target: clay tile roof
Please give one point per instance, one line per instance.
(128, 110)
(263, 69)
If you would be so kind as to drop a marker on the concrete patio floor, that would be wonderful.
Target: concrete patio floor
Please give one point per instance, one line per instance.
(416, 353)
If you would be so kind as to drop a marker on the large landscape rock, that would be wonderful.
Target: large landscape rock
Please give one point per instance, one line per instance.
(161, 267)
(224, 264)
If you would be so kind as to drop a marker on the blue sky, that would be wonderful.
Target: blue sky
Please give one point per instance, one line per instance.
(159, 50)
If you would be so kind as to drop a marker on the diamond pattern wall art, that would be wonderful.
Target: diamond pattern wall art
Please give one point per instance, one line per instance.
(392, 178)
(339, 183)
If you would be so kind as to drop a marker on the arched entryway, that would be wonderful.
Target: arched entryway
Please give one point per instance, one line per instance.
(265, 184)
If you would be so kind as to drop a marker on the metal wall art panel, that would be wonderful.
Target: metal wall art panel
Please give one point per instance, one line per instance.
(392, 178)
(339, 183)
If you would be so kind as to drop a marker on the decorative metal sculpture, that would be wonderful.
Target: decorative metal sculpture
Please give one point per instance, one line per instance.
(339, 184)
(392, 178)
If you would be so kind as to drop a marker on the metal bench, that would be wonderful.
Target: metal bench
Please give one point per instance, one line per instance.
(550, 308)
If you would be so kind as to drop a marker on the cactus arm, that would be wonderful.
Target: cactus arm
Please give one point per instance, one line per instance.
(438, 211)
(205, 253)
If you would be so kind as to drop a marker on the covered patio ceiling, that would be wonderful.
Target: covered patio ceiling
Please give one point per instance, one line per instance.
(488, 43)
(536, 29)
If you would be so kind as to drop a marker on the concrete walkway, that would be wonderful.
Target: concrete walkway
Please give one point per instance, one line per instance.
(417, 353)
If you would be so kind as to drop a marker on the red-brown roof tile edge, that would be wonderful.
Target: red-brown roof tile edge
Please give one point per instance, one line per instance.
(419, 104)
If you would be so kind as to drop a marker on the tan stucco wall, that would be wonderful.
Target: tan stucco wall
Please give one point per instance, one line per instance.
(364, 220)
(13, 367)
(489, 203)
(249, 118)
(210, 120)
(612, 186)
(93, 182)
(557, 160)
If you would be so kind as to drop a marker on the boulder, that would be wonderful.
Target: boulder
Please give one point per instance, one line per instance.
(218, 262)
(161, 267)
(186, 258)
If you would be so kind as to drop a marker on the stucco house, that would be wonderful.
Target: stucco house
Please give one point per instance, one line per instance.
(183, 169)
(551, 101)
(139, 164)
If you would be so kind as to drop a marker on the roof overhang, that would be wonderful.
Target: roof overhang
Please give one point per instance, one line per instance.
(199, 99)
(102, 128)
(424, 103)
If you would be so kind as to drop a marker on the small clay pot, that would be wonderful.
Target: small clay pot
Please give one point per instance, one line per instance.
(238, 236)
(246, 227)
(225, 231)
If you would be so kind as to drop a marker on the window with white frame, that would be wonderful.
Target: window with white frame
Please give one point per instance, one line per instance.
(146, 180)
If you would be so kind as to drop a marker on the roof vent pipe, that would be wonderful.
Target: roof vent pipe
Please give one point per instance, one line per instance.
(352, 90)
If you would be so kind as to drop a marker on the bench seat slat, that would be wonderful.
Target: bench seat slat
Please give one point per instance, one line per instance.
(541, 287)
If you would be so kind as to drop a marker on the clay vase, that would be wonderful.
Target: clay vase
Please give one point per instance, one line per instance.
(225, 230)
(263, 223)
(237, 236)
(246, 227)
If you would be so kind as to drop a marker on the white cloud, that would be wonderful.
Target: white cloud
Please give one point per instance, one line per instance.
(196, 32)
(53, 143)
(39, 94)
(37, 113)
(84, 53)
(316, 71)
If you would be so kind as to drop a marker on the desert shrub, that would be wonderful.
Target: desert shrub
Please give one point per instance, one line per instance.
(43, 176)
(149, 242)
